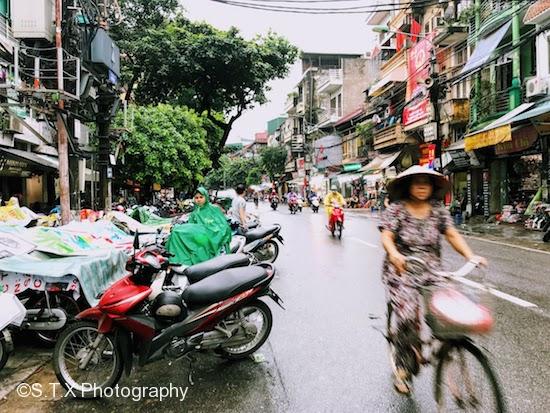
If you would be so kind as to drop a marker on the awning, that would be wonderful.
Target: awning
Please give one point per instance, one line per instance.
(541, 109)
(381, 162)
(47, 162)
(484, 49)
(346, 178)
(399, 74)
(496, 132)
(457, 146)
(357, 112)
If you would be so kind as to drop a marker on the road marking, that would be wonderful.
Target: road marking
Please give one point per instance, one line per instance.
(507, 245)
(499, 294)
(368, 244)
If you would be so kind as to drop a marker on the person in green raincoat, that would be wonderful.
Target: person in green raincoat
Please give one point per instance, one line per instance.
(212, 218)
(204, 235)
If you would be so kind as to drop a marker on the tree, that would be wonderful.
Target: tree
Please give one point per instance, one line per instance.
(167, 145)
(233, 172)
(273, 161)
(212, 71)
(139, 16)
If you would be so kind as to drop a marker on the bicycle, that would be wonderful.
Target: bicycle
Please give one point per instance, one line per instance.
(452, 317)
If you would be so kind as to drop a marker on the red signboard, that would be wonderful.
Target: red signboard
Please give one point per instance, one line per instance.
(418, 70)
(427, 154)
(416, 112)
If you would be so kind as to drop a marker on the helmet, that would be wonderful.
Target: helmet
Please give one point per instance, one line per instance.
(168, 306)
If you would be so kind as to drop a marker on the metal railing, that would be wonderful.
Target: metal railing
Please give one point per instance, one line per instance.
(491, 104)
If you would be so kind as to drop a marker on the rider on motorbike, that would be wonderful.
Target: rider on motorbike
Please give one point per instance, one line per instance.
(333, 197)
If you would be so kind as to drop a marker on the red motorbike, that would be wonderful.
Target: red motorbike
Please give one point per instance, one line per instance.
(139, 316)
(336, 221)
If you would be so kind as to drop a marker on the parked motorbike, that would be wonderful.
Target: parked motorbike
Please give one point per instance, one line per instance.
(336, 221)
(315, 205)
(222, 312)
(12, 314)
(261, 242)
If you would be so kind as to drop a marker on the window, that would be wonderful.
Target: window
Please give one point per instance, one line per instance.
(339, 113)
(503, 76)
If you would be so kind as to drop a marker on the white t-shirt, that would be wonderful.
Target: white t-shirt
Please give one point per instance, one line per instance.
(237, 204)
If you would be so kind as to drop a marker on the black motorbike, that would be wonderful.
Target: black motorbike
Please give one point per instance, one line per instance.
(274, 204)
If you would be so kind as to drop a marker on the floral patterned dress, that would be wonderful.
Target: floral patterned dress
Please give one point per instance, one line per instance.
(413, 237)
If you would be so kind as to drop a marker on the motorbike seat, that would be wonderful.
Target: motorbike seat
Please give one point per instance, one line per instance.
(260, 233)
(223, 285)
(198, 272)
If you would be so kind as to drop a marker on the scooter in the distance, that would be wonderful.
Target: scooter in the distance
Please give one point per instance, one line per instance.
(336, 221)
(274, 203)
(315, 205)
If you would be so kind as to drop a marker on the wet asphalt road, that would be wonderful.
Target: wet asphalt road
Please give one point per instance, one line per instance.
(325, 353)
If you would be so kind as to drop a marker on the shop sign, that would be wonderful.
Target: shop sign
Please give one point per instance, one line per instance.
(522, 140)
(418, 70)
(488, 138)
(416, 112)
(427, 155)
(430, 132)
(486, 192)
(301, 166)
(460, 158)
(14, 167)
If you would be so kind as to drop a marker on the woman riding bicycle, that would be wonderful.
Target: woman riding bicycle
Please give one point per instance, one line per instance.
(412, 226)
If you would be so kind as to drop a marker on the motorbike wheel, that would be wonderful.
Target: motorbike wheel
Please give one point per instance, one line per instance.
(546, 237)
(67, 304)
(339, 229)
(72, 346)
(258, 308)
(3, 353)
(267, 252)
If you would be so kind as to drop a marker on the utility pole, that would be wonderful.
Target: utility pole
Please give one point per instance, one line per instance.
(435, 91)
(62, 145)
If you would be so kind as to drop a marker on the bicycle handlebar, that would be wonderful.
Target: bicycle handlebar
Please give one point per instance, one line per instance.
(460, 273)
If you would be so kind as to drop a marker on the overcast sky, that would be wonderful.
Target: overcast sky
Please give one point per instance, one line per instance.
(310, 33)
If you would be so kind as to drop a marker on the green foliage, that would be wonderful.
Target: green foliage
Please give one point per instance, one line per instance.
(170, 59)
(365, 130)
(166, 145)
(234, 171)
(273, 160)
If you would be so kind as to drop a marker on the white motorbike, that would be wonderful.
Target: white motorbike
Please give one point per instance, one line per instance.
(13, 313)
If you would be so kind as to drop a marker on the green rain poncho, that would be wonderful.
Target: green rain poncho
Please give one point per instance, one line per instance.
(203, 237)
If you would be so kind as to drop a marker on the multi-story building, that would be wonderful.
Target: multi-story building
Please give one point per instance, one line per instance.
(30, 89)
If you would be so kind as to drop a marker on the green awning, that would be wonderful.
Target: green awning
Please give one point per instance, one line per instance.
(351, 167)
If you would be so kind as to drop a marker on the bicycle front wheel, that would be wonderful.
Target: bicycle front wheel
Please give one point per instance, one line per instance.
(465, 380)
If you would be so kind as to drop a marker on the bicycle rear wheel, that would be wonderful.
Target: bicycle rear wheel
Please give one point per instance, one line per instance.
(465, 380)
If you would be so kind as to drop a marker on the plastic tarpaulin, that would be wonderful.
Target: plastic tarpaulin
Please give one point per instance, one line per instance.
(94, 273)
(191, 244)
(148, 218)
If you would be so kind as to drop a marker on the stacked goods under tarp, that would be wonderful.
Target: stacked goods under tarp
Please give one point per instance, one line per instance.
(146, 217)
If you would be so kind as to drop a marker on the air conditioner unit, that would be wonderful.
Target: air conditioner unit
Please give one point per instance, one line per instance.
(536, 86)
(33, 19)
(81, 133)
(14, 125)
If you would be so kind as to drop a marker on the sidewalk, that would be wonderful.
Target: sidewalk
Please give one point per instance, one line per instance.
(514, 234)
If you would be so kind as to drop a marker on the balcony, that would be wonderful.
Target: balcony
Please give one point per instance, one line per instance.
(300, 107)
(7, 41)
(491, 105)
(449, 35)
(329, 117)
(290, 105)
(330, 81)
(457, 111)
(297, 144)
(389, 136)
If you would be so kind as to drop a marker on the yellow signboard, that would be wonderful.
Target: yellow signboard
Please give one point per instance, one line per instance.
(488, 138)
